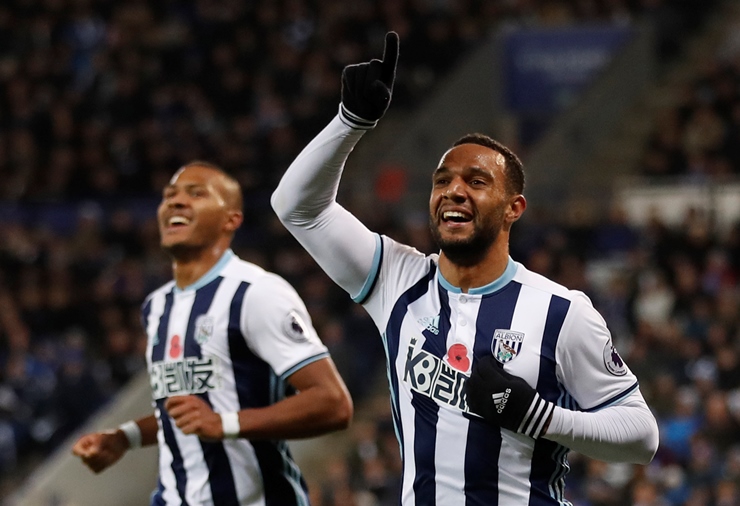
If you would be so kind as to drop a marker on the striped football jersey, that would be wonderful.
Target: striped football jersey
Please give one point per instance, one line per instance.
(433, 333)
(232, 338)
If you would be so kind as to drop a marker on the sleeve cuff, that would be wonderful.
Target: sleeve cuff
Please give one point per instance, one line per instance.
(354, 121)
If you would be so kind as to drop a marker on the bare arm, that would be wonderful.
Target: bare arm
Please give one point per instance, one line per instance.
(322, 405)
(100, 450)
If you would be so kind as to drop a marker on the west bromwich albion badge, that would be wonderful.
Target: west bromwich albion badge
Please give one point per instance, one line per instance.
(506, 344)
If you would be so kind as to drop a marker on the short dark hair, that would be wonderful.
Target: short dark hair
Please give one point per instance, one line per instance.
(514, 166)
(239, 204)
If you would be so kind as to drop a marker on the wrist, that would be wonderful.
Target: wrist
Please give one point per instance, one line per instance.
(537, 418)
(354, 121)
(230, 425)
(132, 433)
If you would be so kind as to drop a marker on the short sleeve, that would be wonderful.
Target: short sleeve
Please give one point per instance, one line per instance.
(589, 366)
(277, 326)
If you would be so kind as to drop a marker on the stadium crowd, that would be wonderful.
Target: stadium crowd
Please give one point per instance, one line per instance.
(697, 139)
(101, 101)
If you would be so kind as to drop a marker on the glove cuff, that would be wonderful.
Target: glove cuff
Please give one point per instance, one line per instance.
(354, 121)
(536, 417)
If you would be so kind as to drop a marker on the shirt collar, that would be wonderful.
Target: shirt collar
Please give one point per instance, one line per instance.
(212, 273)
(491, 287)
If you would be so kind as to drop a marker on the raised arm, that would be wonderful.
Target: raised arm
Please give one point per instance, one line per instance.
(305, 199)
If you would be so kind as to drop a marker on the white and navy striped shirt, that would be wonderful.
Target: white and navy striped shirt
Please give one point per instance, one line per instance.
(433, 333)
(232, 338)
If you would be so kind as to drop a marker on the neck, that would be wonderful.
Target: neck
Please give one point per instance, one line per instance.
(488, 270)
(189, 266)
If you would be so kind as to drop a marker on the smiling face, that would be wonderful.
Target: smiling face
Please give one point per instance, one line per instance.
(200, 208)
(470, 204)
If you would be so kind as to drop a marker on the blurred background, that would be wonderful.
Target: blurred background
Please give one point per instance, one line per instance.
(626, 114)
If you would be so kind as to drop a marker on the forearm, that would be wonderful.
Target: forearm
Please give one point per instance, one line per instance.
(307, 414)
(305, 203)
(626, 432)
(137, 433)
(148, 427)
(311, 182)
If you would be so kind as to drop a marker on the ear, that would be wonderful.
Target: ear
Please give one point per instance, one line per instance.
(233, 221)
(517, 205)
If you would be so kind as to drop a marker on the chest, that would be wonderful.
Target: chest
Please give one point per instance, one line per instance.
(452, 330)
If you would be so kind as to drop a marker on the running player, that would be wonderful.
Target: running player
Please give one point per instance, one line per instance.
(229, 345)
(495, 372)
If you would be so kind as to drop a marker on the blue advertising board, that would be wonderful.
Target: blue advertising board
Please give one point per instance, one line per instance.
(545, 69)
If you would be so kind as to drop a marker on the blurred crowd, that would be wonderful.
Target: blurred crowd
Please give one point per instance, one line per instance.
(699, 138)
(102, 100)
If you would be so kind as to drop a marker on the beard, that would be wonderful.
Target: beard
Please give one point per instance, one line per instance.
(470, 250)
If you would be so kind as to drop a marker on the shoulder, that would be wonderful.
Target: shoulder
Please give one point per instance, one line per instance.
(260, 280)
(537, 281)
(398, 252)
(159, 292)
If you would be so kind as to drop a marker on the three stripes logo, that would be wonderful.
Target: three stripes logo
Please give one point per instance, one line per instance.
(500, 399)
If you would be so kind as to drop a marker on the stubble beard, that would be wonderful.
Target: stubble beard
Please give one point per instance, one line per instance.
(470, 250)
(182, 251)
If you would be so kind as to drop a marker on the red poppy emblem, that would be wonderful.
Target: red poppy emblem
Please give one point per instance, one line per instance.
(175, 347)
(457, 356)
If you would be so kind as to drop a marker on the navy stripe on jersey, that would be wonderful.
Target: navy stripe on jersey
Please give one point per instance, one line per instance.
(146, 308)
(391, 340)
(483, 441)
(614, 399)
(278, 490)
(221, 478)
(482, 449)
(426, 415)
(548, 472)
(156, 498)
(258, 386)
(251, 373)
(547, 382)
(203, 299)
(177, 463)
(496, 312)
(158, 349)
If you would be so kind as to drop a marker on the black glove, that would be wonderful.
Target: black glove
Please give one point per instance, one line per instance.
(367, 87)
(506, 400)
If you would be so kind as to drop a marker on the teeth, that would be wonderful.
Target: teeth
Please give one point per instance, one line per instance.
(453, 214)
(179, 220)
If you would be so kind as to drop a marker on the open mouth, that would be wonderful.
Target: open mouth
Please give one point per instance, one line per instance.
(456, 217)
(177, 222)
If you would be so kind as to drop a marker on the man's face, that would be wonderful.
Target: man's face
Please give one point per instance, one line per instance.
(467, 207)
(194, 212)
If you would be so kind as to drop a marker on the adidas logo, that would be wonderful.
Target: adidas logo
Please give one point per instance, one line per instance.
(431, 323)
(500, 400)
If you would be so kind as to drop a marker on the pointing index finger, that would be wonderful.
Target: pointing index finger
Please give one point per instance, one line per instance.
(390, 58)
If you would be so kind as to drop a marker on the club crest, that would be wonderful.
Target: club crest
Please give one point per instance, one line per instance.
(506, 344)
(203, 329)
